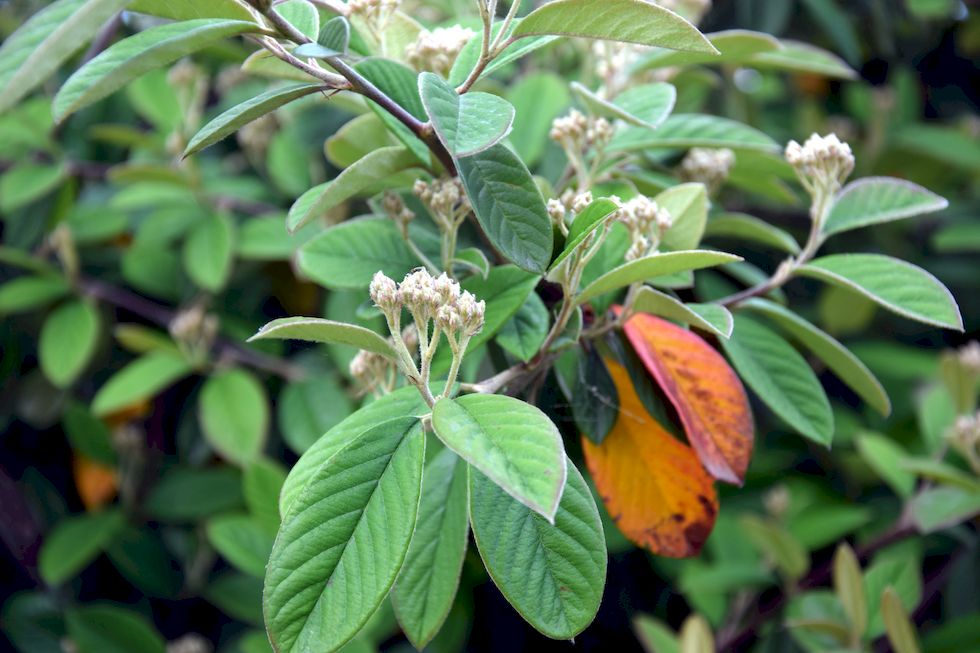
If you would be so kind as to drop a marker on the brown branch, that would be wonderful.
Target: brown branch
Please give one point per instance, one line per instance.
(163, 316)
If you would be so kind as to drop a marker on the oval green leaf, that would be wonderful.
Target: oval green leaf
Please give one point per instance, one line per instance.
(234, 414)
(688, 208)
(709, 317)
(874, 200)
(209, 251)
(139, 380)
(740, 226)
(68, 340)
(315, 329)
(553, 574)
(512, 442)
(75, 542)
(243, 541)
(583, 225)
(106, 628)
(686, 130)
(344, 538)
(468, 123)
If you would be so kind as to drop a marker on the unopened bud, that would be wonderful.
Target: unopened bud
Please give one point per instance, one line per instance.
(556, 211)
(582, 201)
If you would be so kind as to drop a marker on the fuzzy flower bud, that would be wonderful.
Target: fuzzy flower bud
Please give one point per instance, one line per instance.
(417, 291)
(471, 313)
(448, 318)
(570, 129)
(437, 50)
(969, 357)
(582, 201)
(823, 162)
(395, 207)
(556, 211)
(446, 288)
(707, 166)
(599, 132)
(384, 293)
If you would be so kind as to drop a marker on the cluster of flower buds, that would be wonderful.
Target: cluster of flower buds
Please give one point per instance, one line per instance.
(613, 62)
(575, 132)
(823, 163)
(964, 436)
(439, 299)
(374, 12)
(436, 51)
(395, 207)
(194, 329)
(707, 166)
(647, 223)
(446, 200)
(556, 211)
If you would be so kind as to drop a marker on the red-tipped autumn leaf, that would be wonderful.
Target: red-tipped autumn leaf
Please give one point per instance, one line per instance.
(705, 391)
(653, 485)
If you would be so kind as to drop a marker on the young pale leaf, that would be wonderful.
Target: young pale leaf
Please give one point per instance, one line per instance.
(707, 394)
(468, 123)
(587, 221)
(209, 251)
(627, 21)
(874, 200)
(647, 105)
(234, 414)
(75, 542)
(470, 54)
(404, 401)
(128, 59)
(427, 584)
(509, 206)
(344, 538)
(333, 40)
(781, 378)
(316, 329)
(105, 628)
(68, 340)
(901, 632)
(746, 227)
(45, 41)
(894, 284)
(243, 541)
(649, 267)
(849, 587)
(688, 208)
(512, 442)
(241, 114)
(302, 15)
(138, 381)
(363, 175)
(708, 317)
(348, 255)
(526, 331)
(553, 574)
(842, 362)
(692, 130)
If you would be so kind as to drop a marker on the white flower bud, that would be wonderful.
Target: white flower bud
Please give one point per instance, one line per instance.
(556, 211)
(582, 201)
(446, 288)
(384, 293)
(471, 313)
(822, 162)
(437, 50)
(448, 318)
(707, 166)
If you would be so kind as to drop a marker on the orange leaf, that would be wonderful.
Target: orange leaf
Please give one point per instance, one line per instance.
(705, 391)
(96, 483)
(653, 485)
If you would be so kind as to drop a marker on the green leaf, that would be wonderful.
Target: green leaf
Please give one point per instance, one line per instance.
(45, 41)
(688, 208)
(654, 635)
(781, 378)
(189, 494)
(746, 227)
(302, 15)
(587, 221)
(470, 54)
(894, 284)
(188, 9)
(594, 397)
(883, 455)
(513, 443)
(88, 435)
(128, 59)
(776, 543)
(553, 574)
(627, 21)
(142, 558)
(68, 340)
(344, 538)
(241, 114)
(901, 632)
(26, 182)
(466, 124)
(348, 255)
(692, 130)
(314, 329)
(243, 541)
(209, 251)
(27, 293)
(708, 317)
(75, 542)
(261, 484)
(140, 380)
(942, 507)
(509, 206)
(796, 56)
(427, 584)
(309, 408)
(526, 331)
(400, 83)
(874, 200)
(333, 40)
(363, 175)
(896, 568)
(239, 596)
(649, 267)
(836, 356)
(357, 138)
(736, 46)
(106, 628)
(404, 401)
(646, 105)
(940, 472)
(538, 98)
(234, 414)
